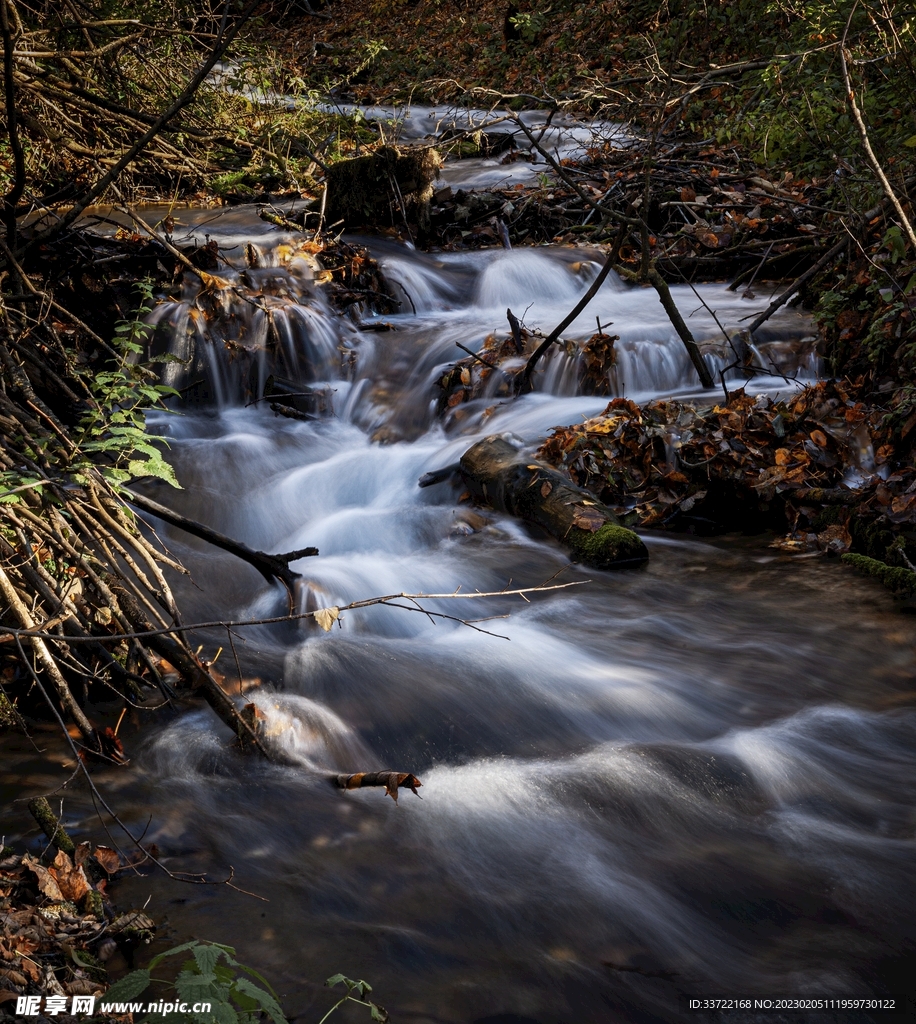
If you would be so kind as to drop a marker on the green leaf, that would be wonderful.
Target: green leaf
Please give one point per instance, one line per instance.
(265, 1000)
(245, 1002)
(911, 141)
(195, 988)
(378, 1013)
(206, 958)
(183, 948)
(224, 1012)
(157, 468)
(129, 987)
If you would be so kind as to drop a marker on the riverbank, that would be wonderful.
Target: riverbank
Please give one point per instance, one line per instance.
(59, 929)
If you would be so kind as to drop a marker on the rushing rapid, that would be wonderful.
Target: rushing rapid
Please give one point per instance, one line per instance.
(695, 777)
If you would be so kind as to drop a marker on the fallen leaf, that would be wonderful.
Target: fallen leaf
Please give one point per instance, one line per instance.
(47, 883)
(108, 859)
(588, 519)
(326, 617)
(546, 488)
(71, 880)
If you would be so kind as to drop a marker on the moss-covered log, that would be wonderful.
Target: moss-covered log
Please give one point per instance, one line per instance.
(498, 476)
(896, 578)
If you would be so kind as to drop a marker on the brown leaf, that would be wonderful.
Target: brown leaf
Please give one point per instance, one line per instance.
(546, 488)
(29, 967)
(47, 883)
(108, 859)
(326, 617)
(82, 987)
(819, 438)
(589, 519)
(71, 880)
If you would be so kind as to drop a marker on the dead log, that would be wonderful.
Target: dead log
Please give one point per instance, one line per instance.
(496, 474)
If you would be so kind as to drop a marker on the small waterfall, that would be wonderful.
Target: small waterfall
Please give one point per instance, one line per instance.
(224, 338)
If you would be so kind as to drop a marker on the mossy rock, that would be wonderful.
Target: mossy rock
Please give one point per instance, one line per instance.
(611, 545)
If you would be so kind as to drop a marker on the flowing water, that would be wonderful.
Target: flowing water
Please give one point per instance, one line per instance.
(692, 777)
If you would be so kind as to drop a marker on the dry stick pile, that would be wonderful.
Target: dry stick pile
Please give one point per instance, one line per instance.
(88, 86)
(73, 561)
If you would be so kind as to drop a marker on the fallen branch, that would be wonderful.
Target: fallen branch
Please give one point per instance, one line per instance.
(93, 192)
(388, 599)
(524, 380)
(390, 780)
(677, 321)
(269, 566)
(784, 297)
(498, 475)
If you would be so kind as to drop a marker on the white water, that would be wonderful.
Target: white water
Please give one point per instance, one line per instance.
(701, 771)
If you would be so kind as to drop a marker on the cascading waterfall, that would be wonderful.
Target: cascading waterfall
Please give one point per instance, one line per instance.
(694, 777)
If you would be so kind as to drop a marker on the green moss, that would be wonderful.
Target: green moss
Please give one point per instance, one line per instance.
(897, 579)
(610, 545)
(92, 903)
(829, 515)
(9, 716)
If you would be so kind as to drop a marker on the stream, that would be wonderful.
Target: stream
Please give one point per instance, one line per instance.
(694, 777)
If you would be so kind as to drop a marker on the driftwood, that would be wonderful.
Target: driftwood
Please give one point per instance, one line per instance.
(389, 779)
(496, 474)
